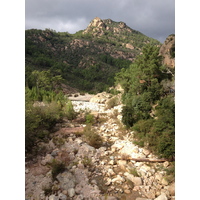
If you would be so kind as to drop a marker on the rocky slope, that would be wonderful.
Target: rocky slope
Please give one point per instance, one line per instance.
(91, 55)
(103, 172)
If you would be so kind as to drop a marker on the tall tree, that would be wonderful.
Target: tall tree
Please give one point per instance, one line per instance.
(141, 82)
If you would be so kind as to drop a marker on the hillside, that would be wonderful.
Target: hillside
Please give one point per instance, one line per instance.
(91, 55)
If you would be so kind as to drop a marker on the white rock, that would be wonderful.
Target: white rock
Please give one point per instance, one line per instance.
(161, 197)
(166, 164)
(171, 189)
(62, 196)
(71, 192)
(109, 181)
(48, 159)
(164, 182)
(136, 180)
(110, 172)
(53, 197)
(122, 164)
(118, 179)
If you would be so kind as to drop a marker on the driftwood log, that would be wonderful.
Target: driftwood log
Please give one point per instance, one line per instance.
(146, 159)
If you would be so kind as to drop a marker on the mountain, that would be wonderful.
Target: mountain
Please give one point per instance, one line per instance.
(87, 60)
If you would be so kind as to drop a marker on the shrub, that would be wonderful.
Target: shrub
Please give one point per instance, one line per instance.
(57, 167)
(92, 138)
(134, 172)
(38, 120)
(69, 111)
(114, 101)
(87, 162)
(89, 118)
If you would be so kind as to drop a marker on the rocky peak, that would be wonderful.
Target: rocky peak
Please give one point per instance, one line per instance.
(167, 50)
(98, 27)
(95, 26)
(97, 22)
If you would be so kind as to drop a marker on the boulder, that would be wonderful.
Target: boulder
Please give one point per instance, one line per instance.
(122, 164)
(66, 180)
(48, 159)
(109, 198)
(161, 197)
(71, 192)
(53, 197)
(100, 98)
(136, 180)
(86, 150)
(62, 196)
(118, 179)
(171, 189)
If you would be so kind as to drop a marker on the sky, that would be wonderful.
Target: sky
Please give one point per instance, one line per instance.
(154, 18)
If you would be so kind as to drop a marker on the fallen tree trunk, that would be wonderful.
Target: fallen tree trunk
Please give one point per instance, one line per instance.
(146, 159)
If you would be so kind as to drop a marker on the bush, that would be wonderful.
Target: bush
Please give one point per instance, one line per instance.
(69, 111)
(92, 138)
(89, 118)
(114, 101)
(38, 120)
(57, 167)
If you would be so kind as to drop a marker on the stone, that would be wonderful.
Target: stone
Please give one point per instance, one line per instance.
(139, 198)
(85, 150)
(71, 192)
(78, 140)
(110, 172)
(166, 164)
(151, 194)
(62, 196)
(53, 197)
(118, 179)
(109, 181)
(145, 168)
(42, 195)
(109, 198)
(122, 164)
(129, 46)
(146, 152)
(136, 180)
(171, 189)
(79, 197)
(48, 159)
(161, 197)
(66, 180)
(127, 191)
(64, 192)
(158, 177)
(164, 182)
(111, 162)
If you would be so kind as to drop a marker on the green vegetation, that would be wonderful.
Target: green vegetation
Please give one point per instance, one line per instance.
(89, 118)
(149, 108)
(45, 105)
(134, 172)
(81, 59)
(114, 101)
(57, 167)
(92, 138)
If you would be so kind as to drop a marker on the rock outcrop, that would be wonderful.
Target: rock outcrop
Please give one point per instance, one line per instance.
(167, 50)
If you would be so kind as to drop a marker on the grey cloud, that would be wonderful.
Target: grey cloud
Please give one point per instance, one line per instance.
(151, 17)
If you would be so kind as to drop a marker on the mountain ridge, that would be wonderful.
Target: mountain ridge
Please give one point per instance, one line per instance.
(92, 55)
